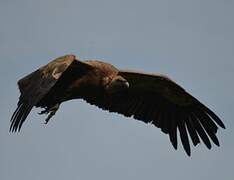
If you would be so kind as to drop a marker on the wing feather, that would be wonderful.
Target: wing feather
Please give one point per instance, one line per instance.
(201, 131)
(208, 126)
(35, 86)
(173, 129)
(156, 99)
(183, 133)
(192, 131)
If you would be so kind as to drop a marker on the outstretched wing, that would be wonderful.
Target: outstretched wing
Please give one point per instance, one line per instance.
(36, 85)
(158, 100)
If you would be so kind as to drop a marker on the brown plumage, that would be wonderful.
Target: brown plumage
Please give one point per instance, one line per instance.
(151, 98)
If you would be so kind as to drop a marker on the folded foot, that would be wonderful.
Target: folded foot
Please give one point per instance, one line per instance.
(51, 111)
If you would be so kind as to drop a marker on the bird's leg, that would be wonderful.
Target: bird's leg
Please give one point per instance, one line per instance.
(51, 112)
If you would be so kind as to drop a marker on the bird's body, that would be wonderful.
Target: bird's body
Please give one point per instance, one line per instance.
(151, 98)
(92, 82)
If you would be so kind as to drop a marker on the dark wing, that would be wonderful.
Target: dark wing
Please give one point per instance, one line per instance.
(36, 85)
(158, 100)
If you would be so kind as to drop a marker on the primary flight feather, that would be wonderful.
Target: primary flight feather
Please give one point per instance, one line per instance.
(151, 98)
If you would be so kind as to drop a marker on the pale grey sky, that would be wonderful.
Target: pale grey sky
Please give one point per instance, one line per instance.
(191, 41)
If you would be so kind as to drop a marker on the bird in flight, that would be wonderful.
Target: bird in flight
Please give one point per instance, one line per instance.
(151, 98)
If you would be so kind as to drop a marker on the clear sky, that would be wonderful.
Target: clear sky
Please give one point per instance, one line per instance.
(190, 41)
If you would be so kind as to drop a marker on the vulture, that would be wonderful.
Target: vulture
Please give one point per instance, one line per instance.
(151, 98)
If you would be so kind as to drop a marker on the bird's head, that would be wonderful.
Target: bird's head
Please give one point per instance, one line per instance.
(116, 84)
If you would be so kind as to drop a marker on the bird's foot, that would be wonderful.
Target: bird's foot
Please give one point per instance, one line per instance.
(51, 111)
(45, 111)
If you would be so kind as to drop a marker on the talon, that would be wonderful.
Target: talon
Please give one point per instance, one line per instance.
(43, 112)
(49, 117)
(51, 112)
